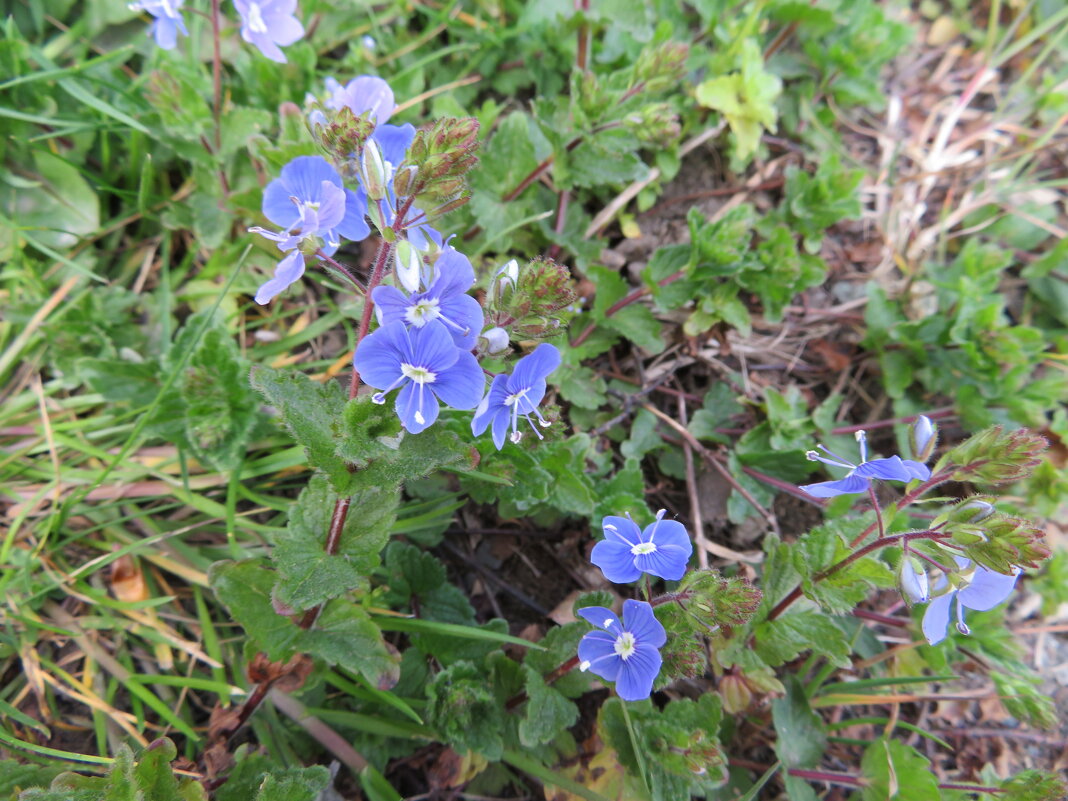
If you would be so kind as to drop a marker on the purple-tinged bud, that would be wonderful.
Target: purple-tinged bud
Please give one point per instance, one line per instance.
(912, 582)
(923, 436)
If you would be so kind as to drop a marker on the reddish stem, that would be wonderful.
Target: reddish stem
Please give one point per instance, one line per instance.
(625, 301)
(556, 673)
(216, 72)
(831, 777)
(795, 593)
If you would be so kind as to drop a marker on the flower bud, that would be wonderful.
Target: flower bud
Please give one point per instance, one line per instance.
(504, 281)
(404, 180)
(912, 582)
(407, 264)
(374, 174)
(495, 340)
(923, 436)
(734, 690)
(973, 511)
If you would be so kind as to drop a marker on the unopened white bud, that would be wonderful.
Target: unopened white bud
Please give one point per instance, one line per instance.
(374, 173)
(407, 264)
(496, 339)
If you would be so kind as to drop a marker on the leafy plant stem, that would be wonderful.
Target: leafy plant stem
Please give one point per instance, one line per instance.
(826, 573)
(342, 269)
(648, 587)
(583, 34)
(909, 497)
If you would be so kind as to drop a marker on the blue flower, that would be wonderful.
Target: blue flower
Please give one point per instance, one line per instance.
(446, 300)
(268, 24)
(308, 200)
(426, 365)
(365, 93)
(662, 549)
(515, 395)
(859, 477)
(624, 652)
(983, 590)
(168, 20)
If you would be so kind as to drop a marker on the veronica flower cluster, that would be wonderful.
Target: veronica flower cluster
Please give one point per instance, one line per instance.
(266, 24)
(970, 586)
(428, 325)
(627, 650)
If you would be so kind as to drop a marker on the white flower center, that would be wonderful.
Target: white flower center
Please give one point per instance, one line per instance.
(625, 645)
(512, 400)
(419, 375)
(255, 21)
(422, 312)
(643, 548)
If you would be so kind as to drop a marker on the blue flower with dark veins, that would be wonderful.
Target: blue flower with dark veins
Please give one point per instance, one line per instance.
(626, 652)
(859, 477)
(268, 24)
(517, 395)
(427, 367)
(168, 22)
(662, 549)
(308, 201)
(446, 300)
(980, 589)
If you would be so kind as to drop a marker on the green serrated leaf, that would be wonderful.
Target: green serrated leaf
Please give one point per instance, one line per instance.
(546, 713)
(294, 784)
(308, 575)
(313, 413)
(785, 638)
(245, 589)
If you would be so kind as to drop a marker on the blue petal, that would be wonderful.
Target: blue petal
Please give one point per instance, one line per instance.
(891, 469)
(393, 141)
(637, 674)
(490, 405)
(301, 178)
(598, 648)
(432, 347)
(532, 397)
(667, 562)
(354, 226)
(668, 532)
(849, 485)
(987, 589)
(501, 421)
(616, 562)
(621, 529)
(378, 357)
(453, 274)
(466, 313)
(535, 367)
(287, 272)
(368, 93)
(640, 620)
(461, 386)
(417, 407)
(598, 615)
(917, 469)
(936, 618)
(390, 304)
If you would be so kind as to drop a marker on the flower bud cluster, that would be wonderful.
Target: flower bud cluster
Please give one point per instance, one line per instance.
(340, 133)
(531, 301)
(996, 456)
(438, 160)
(662, 66)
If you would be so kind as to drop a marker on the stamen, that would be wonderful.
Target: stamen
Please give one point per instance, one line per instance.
(515, 436)
(837, 460)
(584, 666)
(962, 627)
(379, 398)
(862, 441)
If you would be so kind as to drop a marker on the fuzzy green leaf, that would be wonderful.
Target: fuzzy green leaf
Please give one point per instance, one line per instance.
(546, 713)
(895, 770)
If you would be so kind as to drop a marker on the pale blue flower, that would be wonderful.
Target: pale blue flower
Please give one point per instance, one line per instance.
(626, 652)
(982, 590)
(626, 552)
(859, 477)
(268, 24)
(309, 203)
(517, 395)
(426, 365)
(168, 22)
(446, 300)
